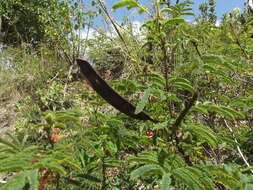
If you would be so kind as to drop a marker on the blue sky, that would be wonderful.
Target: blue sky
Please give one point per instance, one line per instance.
(223, 6)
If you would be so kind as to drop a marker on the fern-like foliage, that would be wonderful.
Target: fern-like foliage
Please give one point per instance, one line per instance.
(171, 171)
(25, 160)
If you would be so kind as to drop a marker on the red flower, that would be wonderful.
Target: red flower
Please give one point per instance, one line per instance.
(55, 138)
(150, 134)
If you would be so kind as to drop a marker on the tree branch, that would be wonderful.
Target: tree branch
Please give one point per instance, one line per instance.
(178, 123)
(184, 112)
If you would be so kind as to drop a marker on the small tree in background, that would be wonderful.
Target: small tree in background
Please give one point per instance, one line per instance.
(208, 11)
(203, 7)
(212, 11)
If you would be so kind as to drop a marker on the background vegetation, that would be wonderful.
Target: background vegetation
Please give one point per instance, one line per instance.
(195, 78)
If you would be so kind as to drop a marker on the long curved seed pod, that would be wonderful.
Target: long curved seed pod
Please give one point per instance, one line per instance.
(107, 93)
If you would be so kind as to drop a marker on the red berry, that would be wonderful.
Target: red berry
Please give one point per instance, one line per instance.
(150, 134)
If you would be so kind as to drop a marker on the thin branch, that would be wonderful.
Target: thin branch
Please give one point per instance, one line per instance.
(237, 147)
(237, 41)
(184, 112)
(178, 123)
(68, 77)
(103, 7)
(196, 47)
(87, 36)
(52, 79)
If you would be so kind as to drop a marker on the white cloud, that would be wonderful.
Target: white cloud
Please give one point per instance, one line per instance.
(218, 22)
(87, 33)
(137, 30)
(91, 33)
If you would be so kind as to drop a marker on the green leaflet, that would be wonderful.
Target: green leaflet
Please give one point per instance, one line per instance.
(203, 133)
(226, 179)
(54, 166)
(182, 83)
(205, 179)
(222, 76)
(223, 112)
(162, 125)
(217, 60)
(113, 163)
(13, 165)
(14, 139)
(18, 181)
(10, 144)
(146, 160)
(181, 12)
(209, 68)
(166, 181)
(165, 10)
(228, 140)
(155, 79)
(112, 148)
(227, 112)
(160, 93)
(186, 176)
(154, 169)
(247, 169)
(226, 175)
(33, 179)
(99, 153)
(184, 86)
(199, 108)
(125, 3)
(242, 102)
(89, 178)
(176, 20)
(129, 4)
(179, 79)
(144, 100)
(173, 97)
(235, 113)
(249, 187)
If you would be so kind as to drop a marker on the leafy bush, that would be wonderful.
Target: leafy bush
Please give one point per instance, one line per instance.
(194, 79)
